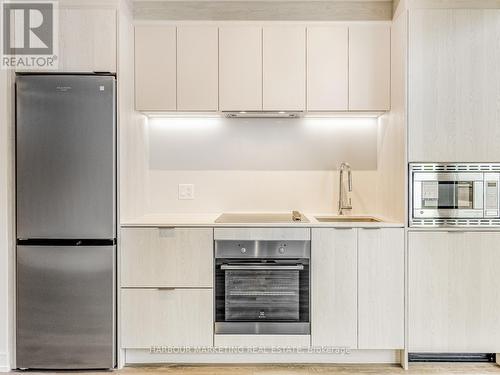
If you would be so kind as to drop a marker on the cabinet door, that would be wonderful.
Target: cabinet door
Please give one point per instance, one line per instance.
(369, 67)
(454, 85)
(197, 68)
(284, 68)
(167, 257)
(155, 68)
(240, 68)
(334, 287)
(87, 40)
(454, 299)
(381, 288)
(327, 68)
(164, 317)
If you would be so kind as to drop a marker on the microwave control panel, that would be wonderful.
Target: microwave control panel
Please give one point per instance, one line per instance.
(491, 182)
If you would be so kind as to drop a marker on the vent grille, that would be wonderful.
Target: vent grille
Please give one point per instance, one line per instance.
(455, 222)
(466, 167)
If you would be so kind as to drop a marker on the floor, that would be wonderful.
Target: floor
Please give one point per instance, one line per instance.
(441, 368)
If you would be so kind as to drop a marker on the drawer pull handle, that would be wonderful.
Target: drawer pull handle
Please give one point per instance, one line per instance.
(165, 288)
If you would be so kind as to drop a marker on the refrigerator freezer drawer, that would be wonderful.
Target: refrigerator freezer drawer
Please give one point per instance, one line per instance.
(65, 307)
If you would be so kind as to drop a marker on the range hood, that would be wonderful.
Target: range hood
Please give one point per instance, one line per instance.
(263, 114)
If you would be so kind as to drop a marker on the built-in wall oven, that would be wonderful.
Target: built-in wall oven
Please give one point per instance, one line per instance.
(262, 287)
(449, 194)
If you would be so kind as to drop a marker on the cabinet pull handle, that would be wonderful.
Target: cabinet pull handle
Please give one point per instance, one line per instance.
(165, 288)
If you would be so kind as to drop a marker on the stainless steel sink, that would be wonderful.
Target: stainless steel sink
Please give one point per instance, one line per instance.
(347, 219)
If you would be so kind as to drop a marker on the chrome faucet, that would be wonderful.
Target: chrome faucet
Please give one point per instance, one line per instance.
(344, 199)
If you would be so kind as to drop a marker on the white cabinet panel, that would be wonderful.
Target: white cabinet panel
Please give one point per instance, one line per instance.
(166, 257)
(155, 68)
(87, 40)
(172, 318)
(197, 68)
(454, 85)
(334, 287)
(240, 68)
(327, 68)
(263, 341)
(381, 288)
(369, 67)
(284, 68)
(454, 299)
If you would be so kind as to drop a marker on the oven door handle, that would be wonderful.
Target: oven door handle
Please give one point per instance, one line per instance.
(298, 267)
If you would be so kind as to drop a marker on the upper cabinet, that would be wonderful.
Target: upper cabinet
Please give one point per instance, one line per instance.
(369, 67)
(197, 68)
(240, 68)
(155, 68)
(87, 40)
(454, 85)
(284, 68)
(275, 67)
(327, 68)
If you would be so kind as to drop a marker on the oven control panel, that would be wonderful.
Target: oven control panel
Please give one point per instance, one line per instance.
(262, 249)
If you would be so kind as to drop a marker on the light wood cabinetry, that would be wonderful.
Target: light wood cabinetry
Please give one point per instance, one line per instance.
(87, 40)
(167, 257)
(197, 68)
(276, 67)
(155, 68)
(357, 290)
(172, 318)
(334, 287)
(369, 67)
(284, 68)
(381, 288)
(454, 85)
(454, 299)
(240, 68)
(327, 68)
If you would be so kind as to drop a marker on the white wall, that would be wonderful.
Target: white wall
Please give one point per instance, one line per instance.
(5, 218)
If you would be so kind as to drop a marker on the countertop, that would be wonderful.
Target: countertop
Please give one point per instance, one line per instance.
(208, 220)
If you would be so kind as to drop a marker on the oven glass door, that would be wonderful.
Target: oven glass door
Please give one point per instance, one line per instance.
(262, 294)
(269, 291)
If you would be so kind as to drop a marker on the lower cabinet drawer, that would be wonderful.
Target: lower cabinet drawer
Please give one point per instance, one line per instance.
(166, 317)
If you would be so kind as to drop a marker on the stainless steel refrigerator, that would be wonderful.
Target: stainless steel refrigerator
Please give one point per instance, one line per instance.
(66, 221)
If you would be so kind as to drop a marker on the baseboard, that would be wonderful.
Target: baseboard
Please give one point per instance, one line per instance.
(4, 362)
(137, 356)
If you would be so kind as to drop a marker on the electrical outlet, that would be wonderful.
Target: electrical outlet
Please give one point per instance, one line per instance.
(186, 191)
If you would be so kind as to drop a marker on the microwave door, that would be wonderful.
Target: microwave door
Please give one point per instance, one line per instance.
(447, 199)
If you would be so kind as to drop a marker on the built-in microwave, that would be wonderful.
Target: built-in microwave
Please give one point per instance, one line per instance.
(444, 194)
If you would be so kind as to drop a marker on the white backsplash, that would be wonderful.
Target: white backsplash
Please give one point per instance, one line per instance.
(223, 191)
(262, 144)
(252, 165)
